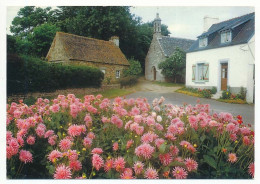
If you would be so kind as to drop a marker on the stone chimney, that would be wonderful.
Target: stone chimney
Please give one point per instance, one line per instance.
(208, 22)
(115, 40)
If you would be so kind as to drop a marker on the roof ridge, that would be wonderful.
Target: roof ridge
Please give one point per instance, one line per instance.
(84, 37)
(179, 38)
(233, 18)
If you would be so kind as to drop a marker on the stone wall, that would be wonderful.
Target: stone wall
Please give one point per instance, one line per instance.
(154, 57)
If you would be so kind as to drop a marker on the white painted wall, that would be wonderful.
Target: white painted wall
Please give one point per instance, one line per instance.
(239, 70)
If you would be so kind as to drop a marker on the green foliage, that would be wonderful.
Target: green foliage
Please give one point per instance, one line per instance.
(205, 93)
(99, 22)
(214, 90)
(134, 69)
(173, 68)
(27, 74)
(242, 93)
(128, 81)
(226, 95)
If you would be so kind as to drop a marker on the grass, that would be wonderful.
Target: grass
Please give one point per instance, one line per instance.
(233, 101)
(168, 84)
(189, 93)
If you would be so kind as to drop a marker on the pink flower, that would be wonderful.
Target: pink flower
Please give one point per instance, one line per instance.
(87, 142)
(55, 108)
(135, 111)
(232, 128)
(165, 159)
(54, 155)
(119, 164)
(30, 140)
(159, 118)
(13, 147)
(159, 142)
(88, 120)
(115, 146)
(97, 161)
(9, 135)
(49, 133)
(191, 164)
(251, 169)
(151, 173)
(116, 121)
(149, 137)
(174, 150)
(17, 114)
(75, 165)
(193, 122)
(52, 140)
(129, 143)
(246, 140)
(179, 173)
(145, 150)
(91, 135)
(72, 155)
(65, 144)
(62, 172)
(213, 123)
(233, 137)
(40, 130)
(25, 156)
(76, 130)
(138, 167)
(232, 157)
(127, 174)
(97, 151)
(108, 165)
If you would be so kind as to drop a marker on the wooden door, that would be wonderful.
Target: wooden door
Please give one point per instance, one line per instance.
(154, 73)
(224, 75)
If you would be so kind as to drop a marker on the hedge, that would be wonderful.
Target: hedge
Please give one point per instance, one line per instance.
(128, 81)
(27, 74)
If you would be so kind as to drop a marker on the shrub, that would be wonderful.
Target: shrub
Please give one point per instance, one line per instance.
(226, 95)
(214, 90)
(134, 69)
(206, 93)
(27, 74)
(242, 93)
(128, 81)
(126, 138)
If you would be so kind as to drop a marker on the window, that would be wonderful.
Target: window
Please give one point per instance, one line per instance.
(226, 37)
(203, 42)
(118, 74)
(200, 72)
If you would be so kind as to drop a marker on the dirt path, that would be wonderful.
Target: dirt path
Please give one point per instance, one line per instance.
(144, 85)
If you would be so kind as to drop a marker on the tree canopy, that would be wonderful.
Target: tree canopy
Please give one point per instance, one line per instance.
(173, 68)
(34, 28)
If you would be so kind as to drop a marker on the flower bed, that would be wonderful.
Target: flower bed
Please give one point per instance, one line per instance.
(70, 138)
(205, 93)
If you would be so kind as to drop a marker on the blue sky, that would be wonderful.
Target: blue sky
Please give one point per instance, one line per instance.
(182, 21)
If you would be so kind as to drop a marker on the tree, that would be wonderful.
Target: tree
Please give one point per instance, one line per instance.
(173, 68)
(134, 69)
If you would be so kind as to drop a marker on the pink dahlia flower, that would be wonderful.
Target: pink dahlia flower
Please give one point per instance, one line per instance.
(119, 164)
(191, 164)
(108, 165)
(129, 143)
(151, 173)
(75, 165)
(115, 146)
(165, 159)
(30, 140)
(138, 167)
(25, 156)
(55, 154)
(62, 172)
(232, 157)
(145, 150)
(179, 173)
(251, 169)
(97, 161)
(65, 144)
(97, 151)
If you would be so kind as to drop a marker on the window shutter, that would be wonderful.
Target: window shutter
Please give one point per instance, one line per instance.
(206, 72)
(193, 72)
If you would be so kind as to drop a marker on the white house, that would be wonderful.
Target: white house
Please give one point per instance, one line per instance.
(160, 49)
(224, 57)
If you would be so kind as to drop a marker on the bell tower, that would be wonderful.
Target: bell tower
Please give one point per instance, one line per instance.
(157, 26)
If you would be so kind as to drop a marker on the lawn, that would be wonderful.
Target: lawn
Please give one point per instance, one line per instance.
(168, 84)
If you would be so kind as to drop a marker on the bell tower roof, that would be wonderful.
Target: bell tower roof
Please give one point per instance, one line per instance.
(157, 25)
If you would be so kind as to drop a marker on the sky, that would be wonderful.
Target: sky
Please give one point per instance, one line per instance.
(182, 21)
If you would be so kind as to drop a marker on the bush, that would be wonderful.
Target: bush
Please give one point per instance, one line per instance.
(206, 93)
(226, 95)
(27, 74)
(134, 69)
(96, 138)
(214, 90)
(242, 93)
(128, 81)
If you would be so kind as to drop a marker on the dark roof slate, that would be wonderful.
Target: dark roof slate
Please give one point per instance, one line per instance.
(247, 30)
(169, 44)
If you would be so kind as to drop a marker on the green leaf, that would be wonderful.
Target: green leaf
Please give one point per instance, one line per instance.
(202, 138)
(162, 148)
(135, 158)
(209, 160)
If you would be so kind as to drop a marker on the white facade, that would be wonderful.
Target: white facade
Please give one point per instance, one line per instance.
(240, 61)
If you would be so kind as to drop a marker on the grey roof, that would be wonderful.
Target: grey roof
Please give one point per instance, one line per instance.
(169, 44)
(243, 28)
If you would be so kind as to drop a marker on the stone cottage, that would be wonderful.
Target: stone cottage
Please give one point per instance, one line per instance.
(105, 55)
(160, 49)
(224, 57)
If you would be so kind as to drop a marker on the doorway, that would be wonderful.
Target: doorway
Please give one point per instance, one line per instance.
(154, 73)
(224, 76)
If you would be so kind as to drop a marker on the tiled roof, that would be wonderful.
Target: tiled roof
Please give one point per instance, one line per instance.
(88, 49)
(169, 44)
(243, 28)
